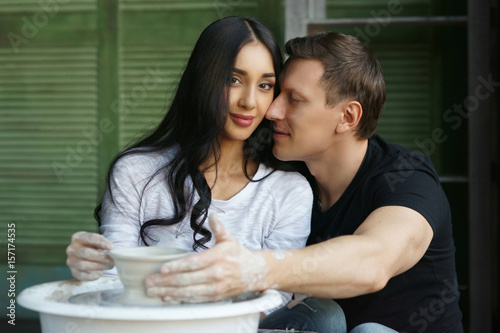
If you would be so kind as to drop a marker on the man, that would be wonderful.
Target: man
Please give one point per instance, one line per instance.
(381, 239)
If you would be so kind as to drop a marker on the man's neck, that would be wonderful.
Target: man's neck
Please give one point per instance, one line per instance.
(335, 169)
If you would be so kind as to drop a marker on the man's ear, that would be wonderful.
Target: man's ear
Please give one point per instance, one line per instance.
(351, 112)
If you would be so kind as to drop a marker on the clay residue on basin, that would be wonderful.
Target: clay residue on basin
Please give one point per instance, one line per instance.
(64, 291)
(59, 296)
(72, 283)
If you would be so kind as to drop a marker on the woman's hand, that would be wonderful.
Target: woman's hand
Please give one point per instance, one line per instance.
(226, 270)
(86, 256)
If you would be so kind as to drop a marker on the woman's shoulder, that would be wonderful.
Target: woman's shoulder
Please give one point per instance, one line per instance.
(144, 160)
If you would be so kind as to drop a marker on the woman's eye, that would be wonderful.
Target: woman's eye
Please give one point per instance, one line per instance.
(267, 86)
(235, 80)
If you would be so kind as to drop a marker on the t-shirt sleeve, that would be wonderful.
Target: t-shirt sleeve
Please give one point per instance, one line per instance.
(121, 204)
(417, 189)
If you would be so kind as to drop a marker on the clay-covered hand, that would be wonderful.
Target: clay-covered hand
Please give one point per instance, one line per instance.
(228, 269)
(87, 257)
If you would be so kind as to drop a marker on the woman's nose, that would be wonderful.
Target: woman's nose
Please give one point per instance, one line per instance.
(247, 99)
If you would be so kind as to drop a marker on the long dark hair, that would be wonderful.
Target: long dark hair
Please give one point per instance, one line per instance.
(201, 104)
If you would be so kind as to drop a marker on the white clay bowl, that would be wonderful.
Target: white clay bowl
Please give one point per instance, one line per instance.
(135, 264)
(76, 306)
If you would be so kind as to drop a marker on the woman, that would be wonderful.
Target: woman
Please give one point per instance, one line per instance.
(210, 154)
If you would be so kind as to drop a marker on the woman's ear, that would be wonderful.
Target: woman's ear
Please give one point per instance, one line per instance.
(350, 115)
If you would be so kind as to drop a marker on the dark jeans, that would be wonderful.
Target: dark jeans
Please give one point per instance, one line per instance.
(316, 315)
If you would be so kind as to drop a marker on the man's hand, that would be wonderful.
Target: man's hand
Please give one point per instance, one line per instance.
(226, 270)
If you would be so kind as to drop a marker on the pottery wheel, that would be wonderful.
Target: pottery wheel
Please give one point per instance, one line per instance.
(109, 298)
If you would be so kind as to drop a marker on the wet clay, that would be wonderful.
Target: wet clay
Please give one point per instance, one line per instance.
(134, 265)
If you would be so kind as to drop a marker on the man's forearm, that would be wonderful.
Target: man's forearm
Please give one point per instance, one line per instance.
(338, 268)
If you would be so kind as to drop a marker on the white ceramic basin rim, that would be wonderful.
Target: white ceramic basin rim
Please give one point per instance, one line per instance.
(52, 298)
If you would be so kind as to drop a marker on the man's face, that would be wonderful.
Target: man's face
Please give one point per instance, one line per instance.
(304, 124)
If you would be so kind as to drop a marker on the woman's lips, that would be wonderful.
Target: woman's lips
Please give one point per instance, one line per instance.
(241, 119)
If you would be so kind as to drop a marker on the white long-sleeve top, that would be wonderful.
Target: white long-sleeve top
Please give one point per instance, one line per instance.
(273, 213)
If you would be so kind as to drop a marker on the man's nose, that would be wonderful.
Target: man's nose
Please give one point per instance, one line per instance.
(276, 110)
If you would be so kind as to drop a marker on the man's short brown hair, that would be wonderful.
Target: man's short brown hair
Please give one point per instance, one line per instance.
(351, 71)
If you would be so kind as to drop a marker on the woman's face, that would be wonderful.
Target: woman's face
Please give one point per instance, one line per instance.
(251, 91)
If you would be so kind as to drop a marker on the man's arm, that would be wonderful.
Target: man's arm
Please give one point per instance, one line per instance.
(390, 241)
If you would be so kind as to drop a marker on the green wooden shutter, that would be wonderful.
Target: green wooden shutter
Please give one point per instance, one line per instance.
(370, 8)
(408, 112)
(48, 112)
(148, 76)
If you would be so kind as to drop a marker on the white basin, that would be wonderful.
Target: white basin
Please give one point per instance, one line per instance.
(76, 306)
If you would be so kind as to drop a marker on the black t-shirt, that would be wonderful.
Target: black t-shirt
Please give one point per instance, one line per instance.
(424, 298)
